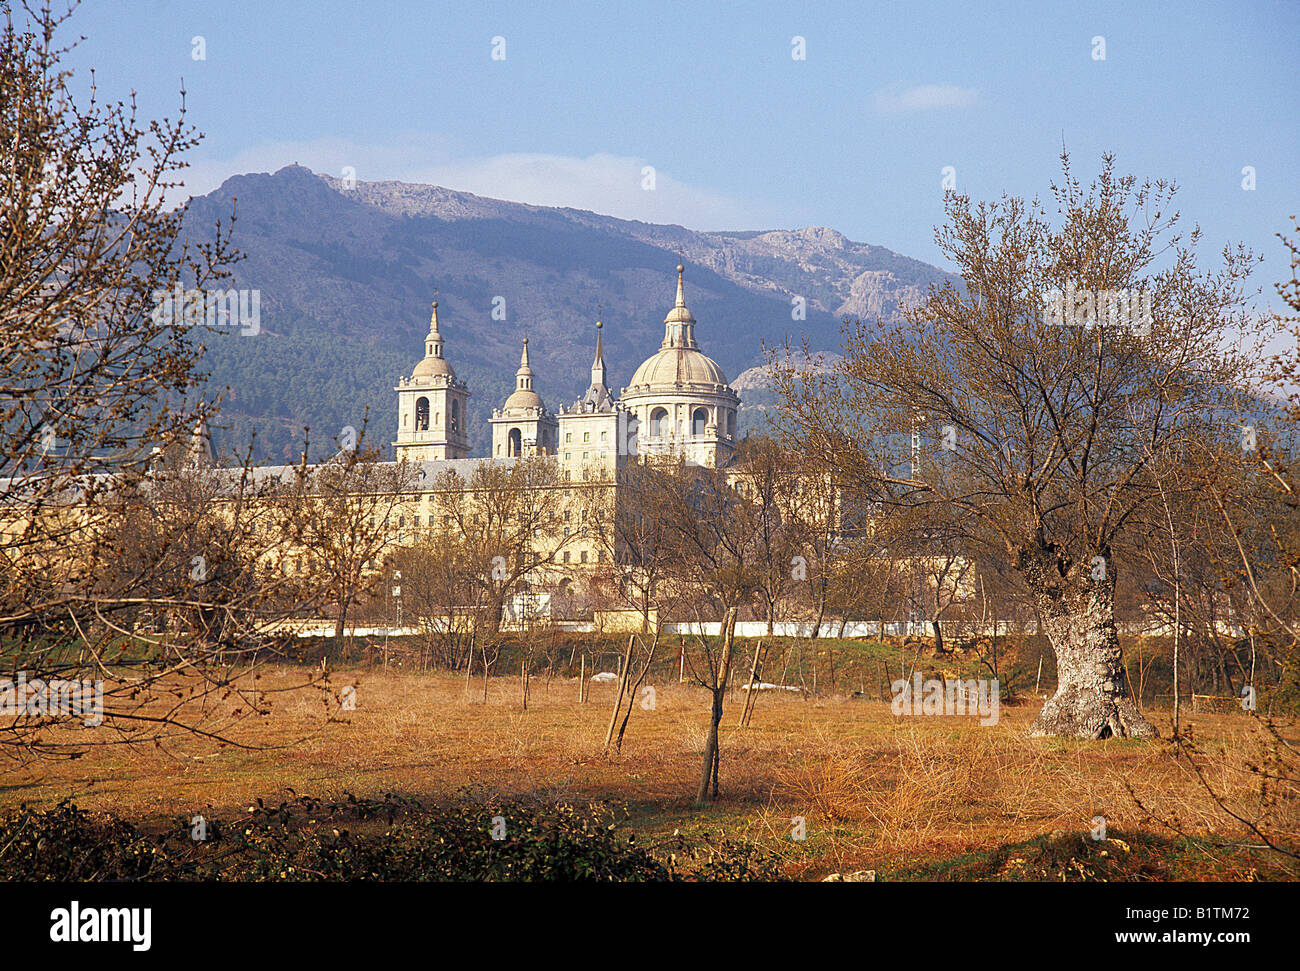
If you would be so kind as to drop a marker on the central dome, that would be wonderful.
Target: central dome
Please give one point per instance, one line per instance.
(672, 366)
(679, 360)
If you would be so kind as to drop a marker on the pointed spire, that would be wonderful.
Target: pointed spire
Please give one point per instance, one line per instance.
(597, 396)
(434, 365)
(524, 376)
(200, 449)
(679, 325)
(433, 343)
(599, 363)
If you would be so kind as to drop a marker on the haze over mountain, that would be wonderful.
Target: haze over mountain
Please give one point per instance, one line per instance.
(346, 275)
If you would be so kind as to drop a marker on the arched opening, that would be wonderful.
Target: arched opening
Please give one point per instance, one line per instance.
(731, 423)
(421, 414)
(454, 423)
(699, 418)
(657, 419)
(514, 442)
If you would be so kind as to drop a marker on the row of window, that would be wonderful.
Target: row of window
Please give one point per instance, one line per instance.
(447, 520)
(586, 437)
(581, 556)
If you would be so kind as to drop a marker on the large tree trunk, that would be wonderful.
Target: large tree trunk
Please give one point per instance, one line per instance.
(1077, 604)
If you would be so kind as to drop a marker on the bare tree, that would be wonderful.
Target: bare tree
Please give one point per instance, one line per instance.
(768, 478)
(505, 516)
(125, 574)
(716, 557)
(340, 514)
(1042, 388)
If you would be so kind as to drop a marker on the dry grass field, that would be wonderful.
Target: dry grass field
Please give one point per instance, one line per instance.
(876, 790)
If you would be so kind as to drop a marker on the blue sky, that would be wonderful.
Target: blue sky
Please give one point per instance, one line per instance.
(741, 135)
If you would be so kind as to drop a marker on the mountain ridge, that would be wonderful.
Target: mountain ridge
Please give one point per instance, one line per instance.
(347, 272)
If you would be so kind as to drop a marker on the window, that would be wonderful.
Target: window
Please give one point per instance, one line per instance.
(566, 553)
(422, 414)
(455, 415)
(657, 419)
(584, 556)
(586, 436)
(568, 437)
(514, 442)
(699, 419)
(604, 436)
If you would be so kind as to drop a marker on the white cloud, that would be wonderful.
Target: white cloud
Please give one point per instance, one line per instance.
(898, 98)
(608, 184)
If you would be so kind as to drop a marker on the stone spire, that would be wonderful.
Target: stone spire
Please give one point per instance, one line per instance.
(524, 376)
(524, 396)
(200, 453)
(598, 366)
(433, 343)
(434, 365)
(597, 397)
(679, 325)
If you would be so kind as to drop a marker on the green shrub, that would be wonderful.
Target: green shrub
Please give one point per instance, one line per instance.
(389, 839)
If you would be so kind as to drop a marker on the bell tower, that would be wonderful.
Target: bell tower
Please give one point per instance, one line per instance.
(432, 406)
(523, 425)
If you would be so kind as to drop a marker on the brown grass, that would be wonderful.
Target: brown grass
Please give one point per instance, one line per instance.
(874, 789)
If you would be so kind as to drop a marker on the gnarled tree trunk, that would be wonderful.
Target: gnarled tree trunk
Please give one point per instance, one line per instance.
(1077, 604)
